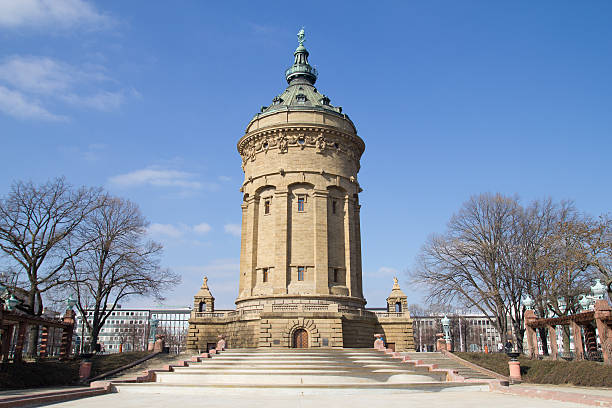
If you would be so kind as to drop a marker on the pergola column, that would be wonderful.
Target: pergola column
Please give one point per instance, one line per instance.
(21, 331)
(7, 338)
(578, 344)
(532, 338)
(603, 316)
(67, 335)
(552, 341)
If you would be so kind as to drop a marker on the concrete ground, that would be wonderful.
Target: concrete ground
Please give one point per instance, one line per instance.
(235, 398)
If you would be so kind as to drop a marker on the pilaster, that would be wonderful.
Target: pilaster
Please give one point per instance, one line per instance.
(281, 245)
(321, 260)
(349, 244)
(243, 250)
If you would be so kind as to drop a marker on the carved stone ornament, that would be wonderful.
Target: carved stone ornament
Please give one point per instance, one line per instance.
(282, 141)
(283, 144)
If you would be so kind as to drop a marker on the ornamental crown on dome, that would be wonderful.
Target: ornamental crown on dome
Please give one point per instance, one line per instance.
(301, 93)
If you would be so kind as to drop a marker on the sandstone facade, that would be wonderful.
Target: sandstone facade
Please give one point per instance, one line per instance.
(300, 254)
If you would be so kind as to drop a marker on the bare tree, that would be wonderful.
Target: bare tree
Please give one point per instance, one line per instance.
(118, 262)
(599, 248)
(467, 264)
(35, 221)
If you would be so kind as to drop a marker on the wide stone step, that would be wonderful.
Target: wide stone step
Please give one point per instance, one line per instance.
(208, 390)
(330, 378)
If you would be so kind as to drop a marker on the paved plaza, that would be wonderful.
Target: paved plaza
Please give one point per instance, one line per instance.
(234, 397)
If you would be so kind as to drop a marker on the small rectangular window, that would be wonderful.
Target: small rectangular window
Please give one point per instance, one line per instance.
(300, 273)
(267, 207)
(265, 274)
(301, 203)
(334, 207)
(335, 274)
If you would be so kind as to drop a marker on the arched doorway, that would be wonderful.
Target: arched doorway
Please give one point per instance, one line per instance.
(300, 338)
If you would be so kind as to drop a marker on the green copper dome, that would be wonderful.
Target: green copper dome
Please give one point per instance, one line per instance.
(301, 93)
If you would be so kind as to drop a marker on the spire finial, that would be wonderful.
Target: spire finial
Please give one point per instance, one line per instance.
(301, 68)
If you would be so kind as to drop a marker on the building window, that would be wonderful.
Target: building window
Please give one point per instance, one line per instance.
(202, 307)
(334, 205)
(301, 200)
(335, 274)
(398, 307)
(300, 273)
(267, 207)
(265, 274)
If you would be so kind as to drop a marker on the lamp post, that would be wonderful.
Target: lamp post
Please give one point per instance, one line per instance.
(446, 328)
(70, 303)
(598, 290)
(11, 302)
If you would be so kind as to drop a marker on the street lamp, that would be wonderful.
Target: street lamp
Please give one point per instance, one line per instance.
(598, 290)
(562, 304)
(11, 303)
(446, 328)
(70, 303)
(528, 302)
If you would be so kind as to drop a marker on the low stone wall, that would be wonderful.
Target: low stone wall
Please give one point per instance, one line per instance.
(324, 328)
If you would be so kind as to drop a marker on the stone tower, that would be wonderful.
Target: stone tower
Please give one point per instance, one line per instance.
(300, 213)
(300, 255)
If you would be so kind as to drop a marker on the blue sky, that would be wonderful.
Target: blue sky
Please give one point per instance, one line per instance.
(148, 99)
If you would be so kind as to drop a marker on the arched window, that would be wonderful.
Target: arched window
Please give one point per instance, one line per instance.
(398, 307)
(202, 307)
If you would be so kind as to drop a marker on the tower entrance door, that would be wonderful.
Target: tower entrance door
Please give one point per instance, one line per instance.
(300, 339)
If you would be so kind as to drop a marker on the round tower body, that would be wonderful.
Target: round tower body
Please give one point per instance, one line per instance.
(300, 213)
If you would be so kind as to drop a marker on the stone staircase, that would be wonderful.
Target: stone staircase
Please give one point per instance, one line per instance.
(309, 371)
(437, 360)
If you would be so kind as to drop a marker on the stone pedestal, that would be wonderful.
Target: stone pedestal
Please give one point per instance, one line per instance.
(84, 370)
(515, 370)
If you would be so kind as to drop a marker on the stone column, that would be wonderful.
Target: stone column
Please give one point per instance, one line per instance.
(603, 316)
(578, 345)
(44, 340)
(552, 337)
(321, 260)
(280, 208)
(66, 345)
(21, 330)
(532, 338)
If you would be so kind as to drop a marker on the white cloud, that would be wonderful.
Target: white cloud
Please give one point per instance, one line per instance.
(202, 228)
(56, 81)
(156, 177)
(232, 229)
(225, 178)
(167, 230)
(51, 13)
(385, 271)
(16, 104)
